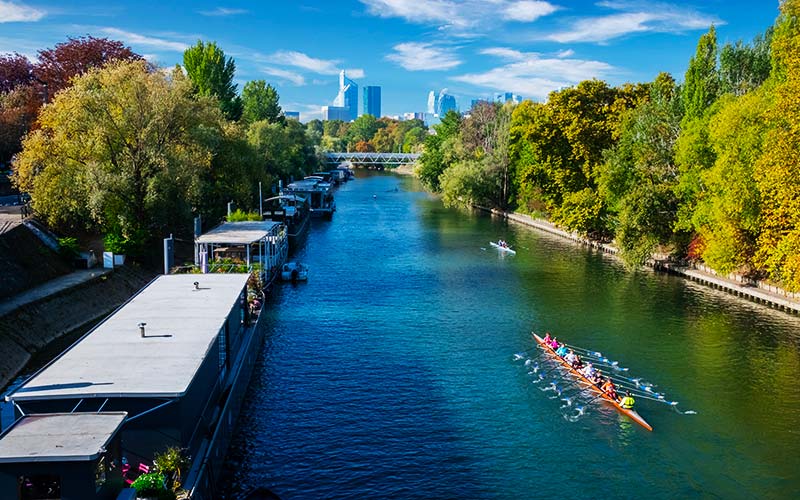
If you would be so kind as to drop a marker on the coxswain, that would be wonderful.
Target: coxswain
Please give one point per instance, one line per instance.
(547, 338)
(627, 401)
(609, 388)
(562, 350)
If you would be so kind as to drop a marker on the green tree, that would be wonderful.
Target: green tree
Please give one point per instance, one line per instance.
(437, 150)
(728, 217)
(212, 75)
(414, 139)
(743, 68)
(701, 86)
(260, 102)
(284, 151)
(121, 151)
(363, 129)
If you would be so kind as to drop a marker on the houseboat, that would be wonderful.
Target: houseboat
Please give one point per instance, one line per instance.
(293, 211)
(258, 246)
(318, 193)
(168, 369)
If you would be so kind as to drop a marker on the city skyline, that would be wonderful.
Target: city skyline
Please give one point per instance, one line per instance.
(475, 49)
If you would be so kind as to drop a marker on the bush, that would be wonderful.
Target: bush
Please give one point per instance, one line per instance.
(68, 247)
(151, 484)
(240, 216)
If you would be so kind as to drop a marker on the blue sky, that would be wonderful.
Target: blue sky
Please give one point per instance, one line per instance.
(409, 47)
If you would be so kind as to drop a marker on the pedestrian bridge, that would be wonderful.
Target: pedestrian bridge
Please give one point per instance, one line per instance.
(378, 159)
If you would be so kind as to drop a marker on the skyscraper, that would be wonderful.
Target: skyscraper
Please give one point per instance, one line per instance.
(446, 103)
(371, 101)
(347, 97)
(440, 104)
(335, 113)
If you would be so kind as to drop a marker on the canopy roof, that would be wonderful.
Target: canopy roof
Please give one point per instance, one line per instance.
(239, 233)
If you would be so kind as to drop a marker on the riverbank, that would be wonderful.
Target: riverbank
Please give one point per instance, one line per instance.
(735, 284)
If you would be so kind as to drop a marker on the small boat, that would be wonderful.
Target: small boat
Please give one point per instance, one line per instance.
(588, 383)
(503, 248)
(294, 271)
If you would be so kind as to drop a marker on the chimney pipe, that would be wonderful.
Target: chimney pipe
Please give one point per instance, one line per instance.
(141, 329)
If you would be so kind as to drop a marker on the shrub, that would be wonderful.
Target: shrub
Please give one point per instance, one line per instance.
(240, 216)
(151, 484)
(68, 247)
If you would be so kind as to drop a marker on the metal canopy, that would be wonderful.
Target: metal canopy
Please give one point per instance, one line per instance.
(239, 233)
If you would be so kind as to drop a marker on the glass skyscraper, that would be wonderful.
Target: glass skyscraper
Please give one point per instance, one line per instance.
(347, 97)
(371, 101)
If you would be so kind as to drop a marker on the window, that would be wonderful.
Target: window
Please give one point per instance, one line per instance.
(40, 487)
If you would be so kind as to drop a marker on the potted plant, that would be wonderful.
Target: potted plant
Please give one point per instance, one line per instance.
(171, 463)
(151, 487)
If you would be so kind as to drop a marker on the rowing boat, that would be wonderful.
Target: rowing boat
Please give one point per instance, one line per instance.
(575, 373)
(502, 248)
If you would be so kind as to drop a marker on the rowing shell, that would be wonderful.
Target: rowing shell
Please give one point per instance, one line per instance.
(502, 249)
(625, 411)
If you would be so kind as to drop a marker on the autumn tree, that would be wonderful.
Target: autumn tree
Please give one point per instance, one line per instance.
(15, 70)
(122, 151)
(260, 101)
(76, 56)
(212, 75)
(777, 171)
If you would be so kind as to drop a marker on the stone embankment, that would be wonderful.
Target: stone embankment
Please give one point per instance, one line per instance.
(33, 327)
(756, 291)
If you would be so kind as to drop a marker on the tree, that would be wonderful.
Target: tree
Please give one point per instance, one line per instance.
(18, 109)
(777, 170)
(436, 153)
(212, 75)
(76, 56)
(701, 86)
(728, 216)
(743, 68)
(364, 147)
(363, 129)
(15, 70)
(284, 151)
(260, 102)
(122, 151)
(413, 139)
(637, 180)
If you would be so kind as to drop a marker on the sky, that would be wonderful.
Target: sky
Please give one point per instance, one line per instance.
(473, 48)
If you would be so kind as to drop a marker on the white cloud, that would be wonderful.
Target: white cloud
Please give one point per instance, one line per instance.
(634, 18)
(14, 12)
(286, 75)
(304, 61)
(463, 15)
(535, 76)
(416, 56)
(222, 11)
(527, 10)
(565, 53)
(504, 53)
(145, 41)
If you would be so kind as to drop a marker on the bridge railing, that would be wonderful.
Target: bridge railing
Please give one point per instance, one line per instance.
(372, 158)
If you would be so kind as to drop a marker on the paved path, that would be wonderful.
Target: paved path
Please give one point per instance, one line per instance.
(49, 288)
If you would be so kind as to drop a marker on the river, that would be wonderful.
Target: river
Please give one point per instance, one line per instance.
(392, 373)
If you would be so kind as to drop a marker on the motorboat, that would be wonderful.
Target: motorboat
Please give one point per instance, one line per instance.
(294, 271)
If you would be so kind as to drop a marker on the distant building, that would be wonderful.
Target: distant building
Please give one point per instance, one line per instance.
(292, 115)
(414, 116)
(335, 113)
(347, 97)
(475, 102)
(440, 104)
(506, 97)
(371, 101)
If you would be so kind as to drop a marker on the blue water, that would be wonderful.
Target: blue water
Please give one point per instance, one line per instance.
(392, 372)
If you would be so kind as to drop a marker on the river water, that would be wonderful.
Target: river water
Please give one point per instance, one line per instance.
(394, 372)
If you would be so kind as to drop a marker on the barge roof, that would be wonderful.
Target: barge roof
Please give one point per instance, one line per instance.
(59, 437)
(113, 360)
(239, 233)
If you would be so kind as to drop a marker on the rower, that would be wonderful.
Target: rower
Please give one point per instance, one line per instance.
(554, 343)
(588, 371)
(628, 401)
(562, 350)
(609, 388)
(596, 377)
(571, 358)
